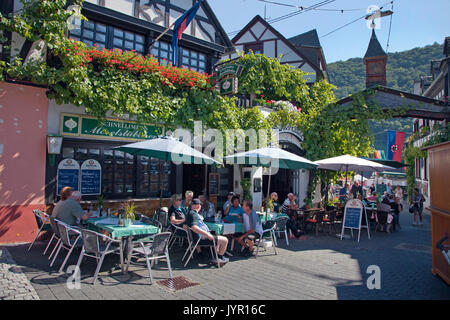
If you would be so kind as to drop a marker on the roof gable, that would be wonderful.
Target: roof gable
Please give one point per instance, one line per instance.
(243, 37)
(309, 38)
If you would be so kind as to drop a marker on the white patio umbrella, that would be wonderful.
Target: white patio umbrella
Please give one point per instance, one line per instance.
(271, 157)
(349, 163)
(167, 149)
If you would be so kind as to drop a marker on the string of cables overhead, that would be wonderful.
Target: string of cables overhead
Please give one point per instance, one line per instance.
(390, 27)
(301, 7)
(363, 17)
(292, 14)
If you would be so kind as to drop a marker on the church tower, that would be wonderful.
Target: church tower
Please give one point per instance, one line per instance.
(375, 60)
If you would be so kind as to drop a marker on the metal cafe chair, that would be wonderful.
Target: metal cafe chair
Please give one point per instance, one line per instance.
(97, 245)
(43, 222)
(281, 228)
(161, 215)
(269, 232)
(179, 234)
(192, 245)
(66, 243)
(56, 236)
(155, 250)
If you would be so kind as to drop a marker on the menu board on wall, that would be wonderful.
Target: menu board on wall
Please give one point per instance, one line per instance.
(68, 175)
(214, 182)
(91, 177)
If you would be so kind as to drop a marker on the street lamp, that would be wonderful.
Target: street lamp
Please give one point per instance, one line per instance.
(54, 144)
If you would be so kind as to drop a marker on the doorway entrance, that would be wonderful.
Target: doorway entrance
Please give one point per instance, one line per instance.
(194, 178)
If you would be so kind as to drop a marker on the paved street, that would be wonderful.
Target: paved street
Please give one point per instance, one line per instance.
(320, 267)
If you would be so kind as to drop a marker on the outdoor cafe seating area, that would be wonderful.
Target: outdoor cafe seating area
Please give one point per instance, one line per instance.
(136, 237)
(150, 239)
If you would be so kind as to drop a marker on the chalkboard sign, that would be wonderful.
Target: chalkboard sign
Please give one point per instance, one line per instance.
(352, 217)
(68, 175)
(214, 179)
(91, 178)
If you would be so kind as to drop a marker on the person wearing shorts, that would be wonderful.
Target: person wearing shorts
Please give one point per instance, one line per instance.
(252, 226)
(195, 221)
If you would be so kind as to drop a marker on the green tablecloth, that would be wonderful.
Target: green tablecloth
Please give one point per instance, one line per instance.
(116, 231)
(270, 216)
(225, 228)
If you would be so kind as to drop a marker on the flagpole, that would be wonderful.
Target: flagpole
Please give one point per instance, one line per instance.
(159, 37)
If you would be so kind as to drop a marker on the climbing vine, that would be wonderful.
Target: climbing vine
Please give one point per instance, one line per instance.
(125, 83)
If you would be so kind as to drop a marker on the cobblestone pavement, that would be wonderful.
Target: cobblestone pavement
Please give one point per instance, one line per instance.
(322, 267)
(14, 285)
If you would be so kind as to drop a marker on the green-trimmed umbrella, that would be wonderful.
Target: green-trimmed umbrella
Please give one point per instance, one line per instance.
(271, 157)
(167, 149)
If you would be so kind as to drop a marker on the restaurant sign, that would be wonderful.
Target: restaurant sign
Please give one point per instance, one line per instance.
(227, 78)
(87, 126)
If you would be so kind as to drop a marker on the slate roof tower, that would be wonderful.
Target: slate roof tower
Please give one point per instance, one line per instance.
(375, 60)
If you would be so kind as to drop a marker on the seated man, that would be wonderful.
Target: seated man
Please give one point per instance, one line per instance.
(207, 210)
(195, 221)
(274, 202)
(186, 203)
(235, 212)
(253, 229)
(68, 211)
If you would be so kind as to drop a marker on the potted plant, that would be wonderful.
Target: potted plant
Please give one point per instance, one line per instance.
(128, 215)
(100, 204)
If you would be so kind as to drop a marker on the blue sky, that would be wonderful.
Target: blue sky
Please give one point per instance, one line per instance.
(415, 23)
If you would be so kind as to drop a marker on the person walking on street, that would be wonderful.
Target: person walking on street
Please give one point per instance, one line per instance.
(417, 201)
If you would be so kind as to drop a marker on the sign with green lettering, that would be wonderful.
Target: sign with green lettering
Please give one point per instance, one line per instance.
(229, 69)
(86, 126)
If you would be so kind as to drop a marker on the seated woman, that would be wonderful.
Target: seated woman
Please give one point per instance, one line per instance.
(176, 213)
(235, 212)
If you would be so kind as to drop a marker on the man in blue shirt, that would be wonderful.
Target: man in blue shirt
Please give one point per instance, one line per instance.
(252, 226)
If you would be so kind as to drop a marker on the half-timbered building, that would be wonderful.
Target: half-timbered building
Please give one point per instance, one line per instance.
(303, 51)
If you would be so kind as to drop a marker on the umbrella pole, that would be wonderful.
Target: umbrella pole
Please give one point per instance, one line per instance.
(160, 185)
(268, 190)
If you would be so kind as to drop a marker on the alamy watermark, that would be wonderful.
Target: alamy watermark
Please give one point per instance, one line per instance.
(375, 12)
(374, 280)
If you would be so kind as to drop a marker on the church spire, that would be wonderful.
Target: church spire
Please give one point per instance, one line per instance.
(375, 60)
